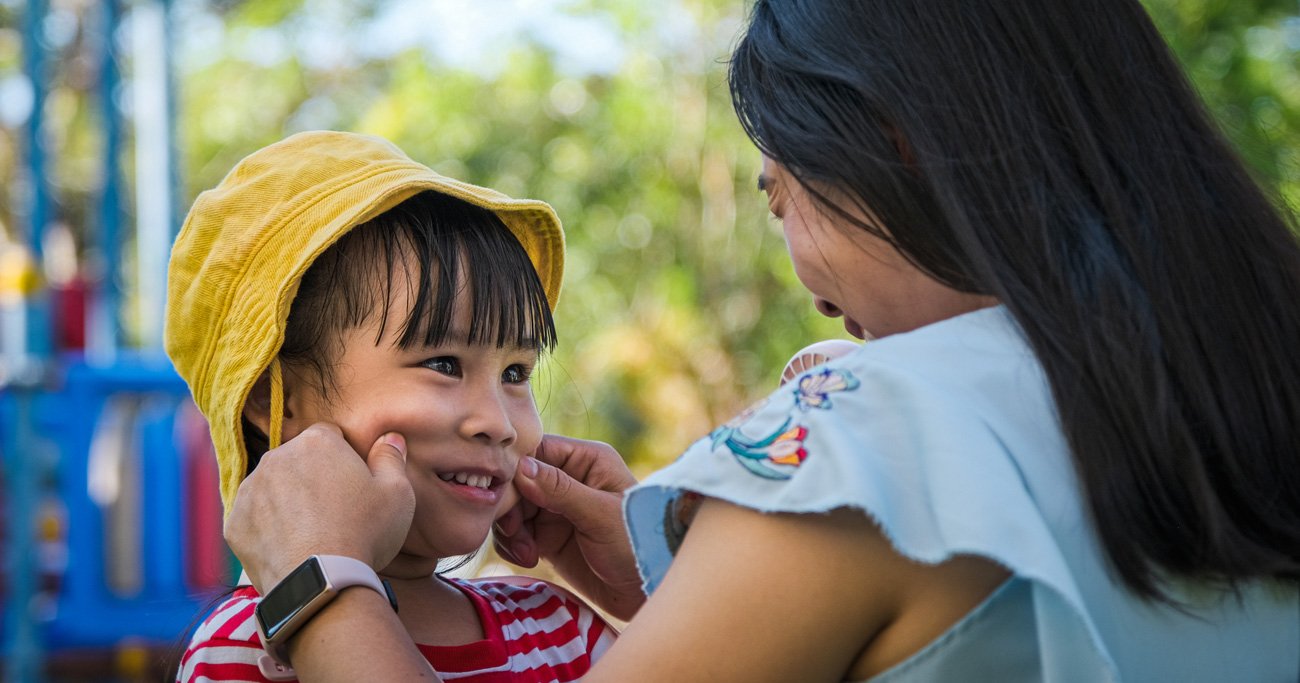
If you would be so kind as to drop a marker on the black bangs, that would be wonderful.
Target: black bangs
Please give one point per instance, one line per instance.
(434, 244)
(455, 244)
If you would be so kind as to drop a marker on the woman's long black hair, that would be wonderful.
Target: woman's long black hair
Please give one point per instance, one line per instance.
(1052, 154)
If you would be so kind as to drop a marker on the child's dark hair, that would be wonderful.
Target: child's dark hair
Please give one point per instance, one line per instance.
(1052, 154)
(449, 241)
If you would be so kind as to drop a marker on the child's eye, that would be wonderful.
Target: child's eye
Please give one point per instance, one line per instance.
(516, 374)
(446, 365)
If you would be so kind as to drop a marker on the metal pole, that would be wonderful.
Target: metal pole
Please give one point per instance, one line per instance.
(174, 190)
(154, 185)
(105, 314)
(24, 453)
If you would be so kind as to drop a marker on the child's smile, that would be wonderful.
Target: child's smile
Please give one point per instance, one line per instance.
(482, 486)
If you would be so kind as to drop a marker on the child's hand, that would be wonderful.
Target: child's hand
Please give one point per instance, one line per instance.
(314, 495)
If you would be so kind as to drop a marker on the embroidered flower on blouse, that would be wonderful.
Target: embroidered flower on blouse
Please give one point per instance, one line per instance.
(779, 452)
(772, 456)
(788, 448)
(814, 389)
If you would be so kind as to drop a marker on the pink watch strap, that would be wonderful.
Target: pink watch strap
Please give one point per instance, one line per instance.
(342, 572)
(273, 670)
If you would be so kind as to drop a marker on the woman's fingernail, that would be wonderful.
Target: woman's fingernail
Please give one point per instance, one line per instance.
(396, 441)
(528, 467)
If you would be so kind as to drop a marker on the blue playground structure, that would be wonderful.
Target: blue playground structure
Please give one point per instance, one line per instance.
(111, 518)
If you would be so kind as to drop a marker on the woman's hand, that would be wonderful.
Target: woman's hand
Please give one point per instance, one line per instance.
(314, 495)
(571, 515)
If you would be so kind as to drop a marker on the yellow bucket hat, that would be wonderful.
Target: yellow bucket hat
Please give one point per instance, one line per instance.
(239, 257)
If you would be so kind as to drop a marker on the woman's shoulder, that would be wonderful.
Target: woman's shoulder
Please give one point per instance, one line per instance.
(977, 364)
(972, 349)
(962, 397)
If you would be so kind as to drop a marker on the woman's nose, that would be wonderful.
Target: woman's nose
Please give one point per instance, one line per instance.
(827, 308)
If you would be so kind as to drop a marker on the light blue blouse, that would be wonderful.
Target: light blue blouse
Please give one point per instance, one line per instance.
(947, 436)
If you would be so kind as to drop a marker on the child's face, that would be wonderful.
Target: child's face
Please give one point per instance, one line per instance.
(466, 411)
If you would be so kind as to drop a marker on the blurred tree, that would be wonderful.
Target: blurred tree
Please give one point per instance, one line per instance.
(673, 267)
(680, 305)
(1244, 57)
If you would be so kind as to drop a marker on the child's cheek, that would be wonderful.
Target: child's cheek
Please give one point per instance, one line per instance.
(509, 496)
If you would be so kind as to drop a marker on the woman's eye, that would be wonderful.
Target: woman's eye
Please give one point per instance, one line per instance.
(516, 374)
(445, 365)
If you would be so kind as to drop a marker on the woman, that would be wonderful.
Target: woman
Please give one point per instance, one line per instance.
(1071, 454)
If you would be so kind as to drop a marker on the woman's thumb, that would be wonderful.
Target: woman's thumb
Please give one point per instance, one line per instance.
(387, 456)
(552, 489)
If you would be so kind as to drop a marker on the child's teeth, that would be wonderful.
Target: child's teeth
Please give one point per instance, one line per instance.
(481, 481)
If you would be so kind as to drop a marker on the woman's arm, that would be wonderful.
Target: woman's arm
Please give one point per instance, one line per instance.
(357, 637)
(782, 597)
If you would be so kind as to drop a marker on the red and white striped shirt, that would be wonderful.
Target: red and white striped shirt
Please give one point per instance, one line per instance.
(535, 632)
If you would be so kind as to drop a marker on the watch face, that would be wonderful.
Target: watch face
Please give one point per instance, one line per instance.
(289, 597)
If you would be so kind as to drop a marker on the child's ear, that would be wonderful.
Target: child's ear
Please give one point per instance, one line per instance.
(257, 408)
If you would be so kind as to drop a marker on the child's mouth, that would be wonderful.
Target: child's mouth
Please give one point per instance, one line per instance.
(475, 487)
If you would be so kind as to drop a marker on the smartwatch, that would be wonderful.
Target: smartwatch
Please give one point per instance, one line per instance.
(301, 594)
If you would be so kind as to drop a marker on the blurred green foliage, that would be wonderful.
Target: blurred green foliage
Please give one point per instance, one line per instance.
(679, 305)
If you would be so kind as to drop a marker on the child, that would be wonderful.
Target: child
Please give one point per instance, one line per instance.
(329, 278)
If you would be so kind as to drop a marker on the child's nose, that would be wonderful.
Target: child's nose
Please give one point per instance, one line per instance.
(487, 418)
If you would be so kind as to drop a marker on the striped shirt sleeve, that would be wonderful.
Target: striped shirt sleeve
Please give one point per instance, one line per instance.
(226, 646)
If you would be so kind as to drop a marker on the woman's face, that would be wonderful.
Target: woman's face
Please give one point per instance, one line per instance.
(466, 411)
(853, 274)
